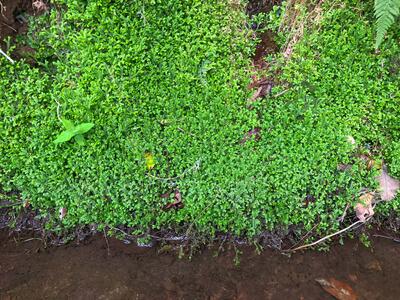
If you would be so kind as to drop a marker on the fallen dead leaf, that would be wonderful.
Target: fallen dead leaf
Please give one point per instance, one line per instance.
(353, 277)
(256, 94)
(338, 289)
(388, 185)
(253, 132)
(63, 212)
(149, 158)
(177, 201)
(257, 82)
(343, 167)
(364, 207)
(370, 164)
(369, 161)
(264, 87)
(40, 6)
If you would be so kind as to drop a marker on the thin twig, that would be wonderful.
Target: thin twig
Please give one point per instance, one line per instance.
(11, 205)
(327, 237)
(108, 245)
(341, 219)
(195, 167)
(32, 239)
(2, 10)
(305, 236)
(281, 93)
(6, 56)
(58, 111)
(12, 28)
(397, 240)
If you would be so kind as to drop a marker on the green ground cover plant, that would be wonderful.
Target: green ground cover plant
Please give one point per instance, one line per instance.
(165, 83)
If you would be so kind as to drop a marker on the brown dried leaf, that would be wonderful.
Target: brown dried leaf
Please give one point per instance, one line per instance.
(256, 94)
(257, 82)
(178, 196)
(177, 201)
(367, 158)
(388, 185)
(63, 212)
(364, 207)
(40, 6)
(166, 195)
(338, 289)
(256, 132)
(343, 167)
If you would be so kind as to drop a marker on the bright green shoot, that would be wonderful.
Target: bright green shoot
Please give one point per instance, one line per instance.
(73, 131)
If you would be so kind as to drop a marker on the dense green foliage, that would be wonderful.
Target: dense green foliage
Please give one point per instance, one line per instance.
(164, 82)
(386, 11)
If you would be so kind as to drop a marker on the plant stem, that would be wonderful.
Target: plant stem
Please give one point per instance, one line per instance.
(6, 56)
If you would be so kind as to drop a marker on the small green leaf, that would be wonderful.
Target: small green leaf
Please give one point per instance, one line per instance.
(83, 128)
(68, 124)
(79, 139)
(64, 136)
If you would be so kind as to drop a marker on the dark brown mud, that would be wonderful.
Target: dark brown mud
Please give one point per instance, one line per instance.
(12, 19)
(110, 269)
(14, 15)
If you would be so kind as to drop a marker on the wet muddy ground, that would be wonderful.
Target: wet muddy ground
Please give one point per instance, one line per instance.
(119, 271)
(13, 17)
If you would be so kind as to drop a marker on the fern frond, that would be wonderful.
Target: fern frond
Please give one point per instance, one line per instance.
(385, 12)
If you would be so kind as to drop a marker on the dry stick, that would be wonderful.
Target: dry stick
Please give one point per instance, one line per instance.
(108, 245)
(6, 56)
(12, 28)
(336, 233)
(32, 239)
(327, 237)
(305, 236)
(58, 111)
(397, 240)
(341, 219)
(11, 204)
(2, 10)
(280, 93)
(195, 167)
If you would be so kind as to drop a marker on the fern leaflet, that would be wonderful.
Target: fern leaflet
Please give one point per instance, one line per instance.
(385, 12)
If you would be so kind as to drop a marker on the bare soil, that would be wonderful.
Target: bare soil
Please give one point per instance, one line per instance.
(110, 269)
(12, 20)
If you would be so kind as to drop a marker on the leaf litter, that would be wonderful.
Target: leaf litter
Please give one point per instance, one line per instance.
(338, 289)
(388, 187)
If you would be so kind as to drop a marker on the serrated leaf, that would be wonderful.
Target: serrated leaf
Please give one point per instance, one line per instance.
(64, 136)
(83, 128)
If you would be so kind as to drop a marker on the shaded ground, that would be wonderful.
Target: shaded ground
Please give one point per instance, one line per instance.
(12, 19)
(94, 271)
